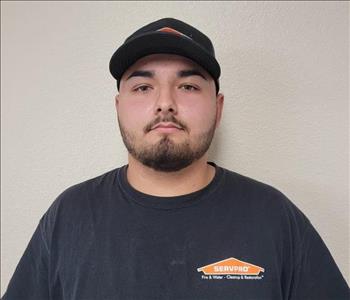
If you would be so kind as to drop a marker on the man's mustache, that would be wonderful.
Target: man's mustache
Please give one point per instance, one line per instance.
(170, 118)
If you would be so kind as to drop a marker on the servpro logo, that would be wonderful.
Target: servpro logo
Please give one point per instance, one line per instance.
(231, 268)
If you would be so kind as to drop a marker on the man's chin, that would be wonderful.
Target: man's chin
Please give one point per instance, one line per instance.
(165, 155)
(164, 140)
(165, 152)
(166, 165)
(156, 137)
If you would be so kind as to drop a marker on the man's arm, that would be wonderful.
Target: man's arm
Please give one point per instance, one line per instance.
(30, 279)
(316, 274)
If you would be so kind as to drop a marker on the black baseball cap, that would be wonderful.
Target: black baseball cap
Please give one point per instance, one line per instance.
(169, 36)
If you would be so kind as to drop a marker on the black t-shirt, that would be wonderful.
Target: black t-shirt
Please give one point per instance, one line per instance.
(237, 238)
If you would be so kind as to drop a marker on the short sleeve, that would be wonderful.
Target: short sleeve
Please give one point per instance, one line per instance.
(30, 279)
(316, 275)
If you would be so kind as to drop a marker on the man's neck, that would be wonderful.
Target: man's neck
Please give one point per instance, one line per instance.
(168, 184)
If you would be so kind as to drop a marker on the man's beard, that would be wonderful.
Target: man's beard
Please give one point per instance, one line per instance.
(166, 155)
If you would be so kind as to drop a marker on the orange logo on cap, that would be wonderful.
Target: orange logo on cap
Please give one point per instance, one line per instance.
(231, 266)
(173, 31)
(170, 30)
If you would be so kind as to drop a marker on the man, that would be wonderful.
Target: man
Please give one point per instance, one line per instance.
(170, 224)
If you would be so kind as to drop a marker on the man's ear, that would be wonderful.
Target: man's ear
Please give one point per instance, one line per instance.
(219, 108)
(116, 102)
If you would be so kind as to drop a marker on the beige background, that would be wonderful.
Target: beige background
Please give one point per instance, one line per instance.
(284, 74)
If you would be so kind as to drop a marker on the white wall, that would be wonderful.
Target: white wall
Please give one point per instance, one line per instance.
(284, 75)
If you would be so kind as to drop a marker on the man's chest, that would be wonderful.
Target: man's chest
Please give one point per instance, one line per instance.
(147, 260)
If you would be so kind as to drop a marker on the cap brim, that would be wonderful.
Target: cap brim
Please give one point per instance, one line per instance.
(160, 42)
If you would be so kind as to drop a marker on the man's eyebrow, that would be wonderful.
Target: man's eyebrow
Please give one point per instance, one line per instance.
(141, 73)
(191, 72)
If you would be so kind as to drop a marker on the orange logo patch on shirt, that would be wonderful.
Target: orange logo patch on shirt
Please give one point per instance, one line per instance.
(231, 266)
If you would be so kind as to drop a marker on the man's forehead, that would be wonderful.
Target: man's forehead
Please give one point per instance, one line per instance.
(150, 62)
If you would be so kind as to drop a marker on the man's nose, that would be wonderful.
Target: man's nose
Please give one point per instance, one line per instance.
(165, 102)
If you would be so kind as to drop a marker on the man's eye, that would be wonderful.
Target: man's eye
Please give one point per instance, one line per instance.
(189, 87)
(142, 88)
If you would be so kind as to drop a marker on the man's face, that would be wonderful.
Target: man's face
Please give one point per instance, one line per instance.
(168, 111)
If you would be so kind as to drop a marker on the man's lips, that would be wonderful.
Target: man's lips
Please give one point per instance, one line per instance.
(166, 125)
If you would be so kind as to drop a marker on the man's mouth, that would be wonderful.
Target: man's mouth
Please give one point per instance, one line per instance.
(166, 125)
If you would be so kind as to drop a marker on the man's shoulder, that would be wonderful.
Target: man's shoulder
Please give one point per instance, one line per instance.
(77, 195)
(91, 185)
(99, 181)
(241, 183)
(260, 196)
